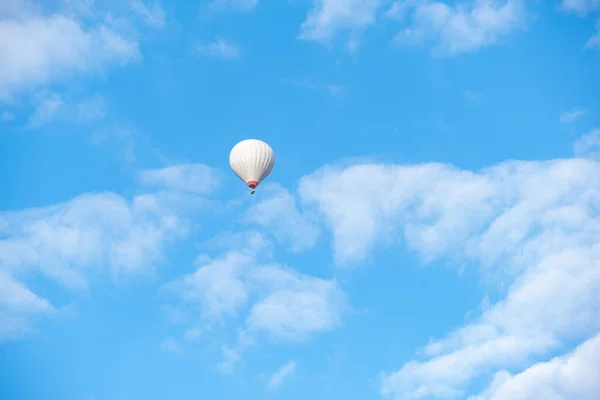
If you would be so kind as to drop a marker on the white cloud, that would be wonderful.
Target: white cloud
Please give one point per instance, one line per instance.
(232, 357)
(192, 178)
(282, 374)
(71, 242)
(594, 41)
(46, 110)
(280, 214)
(220, 47)
(52, 107)
(174, 315)
(572, 115)
(153, 16)
(105, 229)
(193, 333)
(464, 27)
(170, 345)
(295, 306)
(588, 146)
(328, 17)
(270, 299)
(17, 306)
(535, 225)
(88, 110)
(39, 48)
(581, 7)
(400, 9)
(237, 5)
(121, 136)
(285, 304)
(570, 377)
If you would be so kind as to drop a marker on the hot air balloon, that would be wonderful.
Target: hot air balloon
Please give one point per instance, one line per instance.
(252, 161)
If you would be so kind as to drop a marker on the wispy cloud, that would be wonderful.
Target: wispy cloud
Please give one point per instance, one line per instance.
(281, 375)
(330, 88)
(584, 8)
(581, 7)
(170, 345)
(153, 16)
(47, 109)
(572, 115)
(121, 137)
(193, 178)
(329, 17)
(220, 47)
(594, 41)
(236, 5)
(588, 145)
(52, 107)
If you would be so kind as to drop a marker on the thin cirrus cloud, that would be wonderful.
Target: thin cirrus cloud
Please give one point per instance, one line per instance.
(193, 178)
(236, 5)
(219, 48)
(281, 375)
(572, 115)
(153, 15)
(52, 107)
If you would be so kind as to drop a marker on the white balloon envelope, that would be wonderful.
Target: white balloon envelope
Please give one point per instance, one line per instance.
(252, 161)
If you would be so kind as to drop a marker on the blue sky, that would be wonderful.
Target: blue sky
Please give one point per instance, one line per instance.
(431, 229)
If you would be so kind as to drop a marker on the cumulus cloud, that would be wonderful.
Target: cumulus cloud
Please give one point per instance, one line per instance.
(534, 224)
(71, 242)
(284, 303)
(268, 299)
(572, 376)
(463, 27)
(279, 213)
(328, 17)
(39, 47)
(281, 375)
